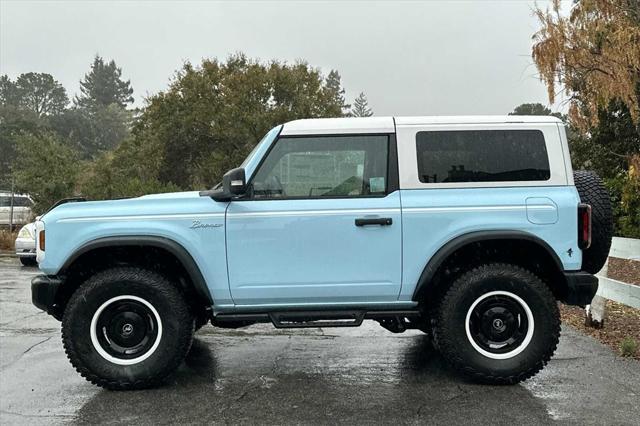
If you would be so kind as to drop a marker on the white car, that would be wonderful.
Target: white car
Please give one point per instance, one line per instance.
(26, 245)
(22, 213)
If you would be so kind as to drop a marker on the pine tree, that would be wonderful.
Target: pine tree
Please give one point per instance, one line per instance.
(361, 107)
(335, 92)
(103, 86)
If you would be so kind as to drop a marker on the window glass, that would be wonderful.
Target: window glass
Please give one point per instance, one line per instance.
(324, 166)
(482, 156)
(18, 201)
(21, 202)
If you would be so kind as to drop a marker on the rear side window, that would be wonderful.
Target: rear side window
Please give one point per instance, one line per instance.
(482, 156)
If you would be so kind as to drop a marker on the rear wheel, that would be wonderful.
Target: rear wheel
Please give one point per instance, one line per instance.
(127, 328)
(498, 324)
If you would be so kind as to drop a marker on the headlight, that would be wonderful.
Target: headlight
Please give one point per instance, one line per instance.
(25, 233)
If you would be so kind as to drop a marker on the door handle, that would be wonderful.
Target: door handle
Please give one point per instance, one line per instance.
(382, 221)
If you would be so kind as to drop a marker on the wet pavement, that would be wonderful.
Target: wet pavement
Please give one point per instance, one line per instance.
(260, 375)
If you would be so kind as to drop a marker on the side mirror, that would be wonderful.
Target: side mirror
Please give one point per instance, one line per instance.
(234, 185)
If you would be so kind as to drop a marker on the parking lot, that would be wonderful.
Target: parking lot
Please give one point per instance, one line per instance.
(259, 374)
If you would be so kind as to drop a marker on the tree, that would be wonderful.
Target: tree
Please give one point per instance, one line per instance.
(103, 86)
(14, 122)
(361, 107)
(46, 169)
(534, 109)
(93, 132)
(8, 92)
(212, 115)
(128, 171)
(594, 53)
(335, 92)
(36, 92)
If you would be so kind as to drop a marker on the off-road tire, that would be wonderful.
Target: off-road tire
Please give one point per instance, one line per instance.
(201, 320)
(593, 192)
(28, 261)
(451, 338)
(174, 341)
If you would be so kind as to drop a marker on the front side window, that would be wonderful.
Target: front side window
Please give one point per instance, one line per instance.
(482, 156)
(324, 166)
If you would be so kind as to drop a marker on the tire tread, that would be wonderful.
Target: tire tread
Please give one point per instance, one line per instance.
(168, 290)
(452, 354)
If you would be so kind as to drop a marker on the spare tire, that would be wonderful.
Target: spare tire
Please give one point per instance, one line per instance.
(593, 192)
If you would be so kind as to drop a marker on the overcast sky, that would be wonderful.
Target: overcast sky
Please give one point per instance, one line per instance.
(410, 58)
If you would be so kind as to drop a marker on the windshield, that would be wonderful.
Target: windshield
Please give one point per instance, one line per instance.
(250, 162)
(266, 140)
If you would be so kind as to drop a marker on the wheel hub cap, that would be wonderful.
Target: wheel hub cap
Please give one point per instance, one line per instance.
(499, 324)
(126, 330)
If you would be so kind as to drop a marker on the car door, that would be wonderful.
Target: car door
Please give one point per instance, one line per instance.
(321, 224)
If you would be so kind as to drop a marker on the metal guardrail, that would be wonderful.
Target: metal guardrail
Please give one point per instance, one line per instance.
(618, 291)
(625, 248)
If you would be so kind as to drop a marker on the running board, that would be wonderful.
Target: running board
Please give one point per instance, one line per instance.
(315, 319)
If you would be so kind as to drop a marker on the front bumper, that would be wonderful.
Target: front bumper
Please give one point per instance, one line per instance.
(44, 289)
(581, 287)
(25, 247)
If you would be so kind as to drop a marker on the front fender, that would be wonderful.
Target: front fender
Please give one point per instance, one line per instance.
(199, 248)
(176, 249)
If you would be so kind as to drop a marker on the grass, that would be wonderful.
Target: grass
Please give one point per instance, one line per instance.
(629, 347)
(7, 240)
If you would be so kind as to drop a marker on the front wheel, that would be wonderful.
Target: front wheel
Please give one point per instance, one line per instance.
(498, 324)
(127, 328)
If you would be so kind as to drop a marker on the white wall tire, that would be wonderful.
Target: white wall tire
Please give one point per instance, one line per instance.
(156, 322)
(497, 352)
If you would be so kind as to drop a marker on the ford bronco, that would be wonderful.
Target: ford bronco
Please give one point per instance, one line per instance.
(470, 229)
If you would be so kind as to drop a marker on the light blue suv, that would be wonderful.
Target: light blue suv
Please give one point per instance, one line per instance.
(467, 228)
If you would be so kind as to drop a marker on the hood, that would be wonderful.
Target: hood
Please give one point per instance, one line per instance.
(171, 195)
(183, 203)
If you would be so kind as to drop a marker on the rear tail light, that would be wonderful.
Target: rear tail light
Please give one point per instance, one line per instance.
(584, 226)
(41, 239)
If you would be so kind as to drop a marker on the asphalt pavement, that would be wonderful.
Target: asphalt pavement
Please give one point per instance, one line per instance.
(260, 375)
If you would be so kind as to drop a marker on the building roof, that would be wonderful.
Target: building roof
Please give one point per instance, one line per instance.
(386, 124)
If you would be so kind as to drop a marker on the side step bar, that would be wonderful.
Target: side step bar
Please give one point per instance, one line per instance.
(314, 319)
(317, 319)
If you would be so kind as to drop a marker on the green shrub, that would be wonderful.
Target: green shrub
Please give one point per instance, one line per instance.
(628, 347)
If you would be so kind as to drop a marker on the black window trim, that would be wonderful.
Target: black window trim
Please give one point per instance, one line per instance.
(393, 178)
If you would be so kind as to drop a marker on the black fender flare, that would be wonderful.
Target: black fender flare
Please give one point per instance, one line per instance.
(171, 246)
(472, 237)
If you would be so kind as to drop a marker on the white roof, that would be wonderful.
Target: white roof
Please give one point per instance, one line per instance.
(386, 124)
(339, 125)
